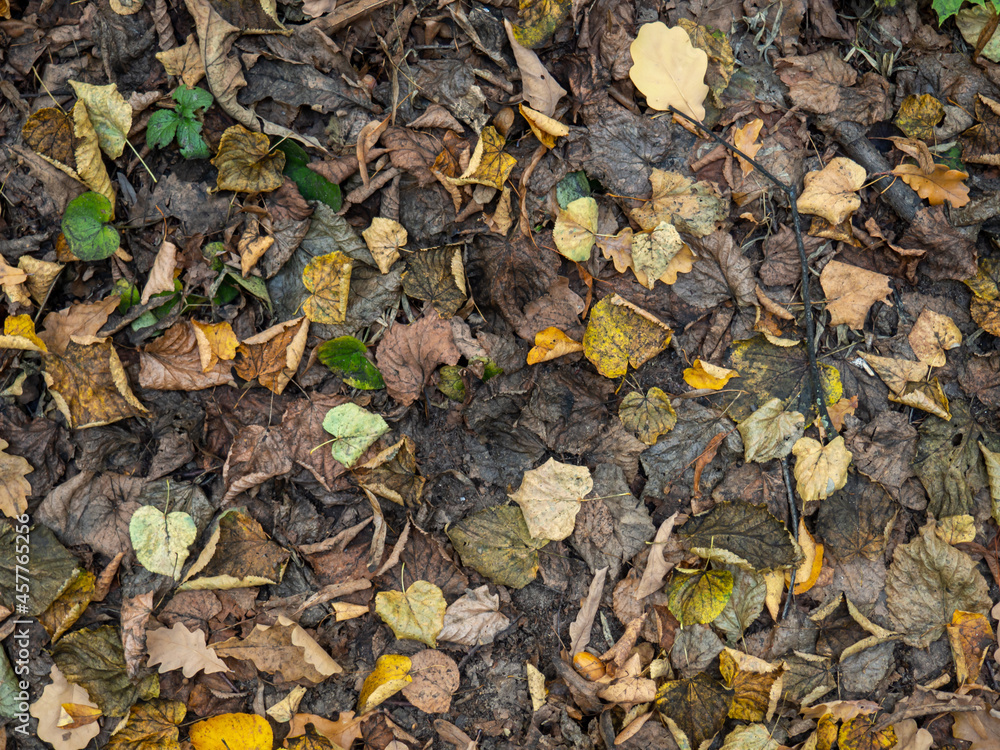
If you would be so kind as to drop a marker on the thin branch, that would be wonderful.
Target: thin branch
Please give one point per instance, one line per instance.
(817, 393)
(793, 511)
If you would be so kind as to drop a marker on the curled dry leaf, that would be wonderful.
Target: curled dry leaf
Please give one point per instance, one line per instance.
(703, 374)
(551, 343)
(173, 362)
(545, 128)
(832, 192)
(541, 90)
(273, 355)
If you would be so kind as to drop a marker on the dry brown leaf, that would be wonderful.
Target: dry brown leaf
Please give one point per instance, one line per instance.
(184, 62)
(272, 356)
(14, 488)
(820, 470)
(161, 275)
(937, 185)
(832, 192)
(851, 291)
(252, 246)
(80, 320)
(541, 90)
(579, 629)
(932, 335)
(408, 354)
(657, 567)
(177, 647)
(910, 383)
(284, 648)
(473, 619)
(173, 363)
(385, 238)
(216, 341)
(435, 680)
(41, 275)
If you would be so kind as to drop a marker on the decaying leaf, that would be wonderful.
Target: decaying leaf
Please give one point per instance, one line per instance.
(490, 165)
(473, 619)
(416, 614)
(862, 733)
(820, 470)
(496, 543)
(436, 275)
(918, 115)
(649, 415)
(695, 208)
(14, 488)
(770, 432)
(408, 354)
(669, 70)
(238, 554)
(109, 113)
(695, 708)
(435, 680)
(246, 162)
(393, 474)
(621, 334)
(743, 534)
(272, 356)
(550, 498)
(756, 684)
(910, 383)
(970, 636)
(284, 648)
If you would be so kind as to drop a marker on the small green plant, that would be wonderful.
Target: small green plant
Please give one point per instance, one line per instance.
(183, 122)
(86, 228)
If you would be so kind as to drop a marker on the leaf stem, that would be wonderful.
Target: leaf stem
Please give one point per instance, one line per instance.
(148, 170)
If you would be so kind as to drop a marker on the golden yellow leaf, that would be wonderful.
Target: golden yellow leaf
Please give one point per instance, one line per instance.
(109, 114)
(545, 128)
(932, 335)
(956, 529)
(76, 715)
(706, 375)
(861, 733)
(536, 686)
(539, 20)
(385, 238)
(619, 334)
(14, 488)
(19, 333)
(252, 246)
(938, 185)
(216, 341)
(5, 9)
(391, 674)
(970, 636)
(647, 416)
(669, 70)
(721, 60)
(820, 470)
(774, 582)
(575, 229)
(745, 139)
(694, 208)
(918, 115)
(851, 291)
(273, 356)
(808, 572)
(246, 162)
(755, 682)
(699, 596)
(589, 666)
(909, 383)
(550, 498)
(89, 161)
(328, 278)
(490, 165)
(416, 614)
(232, 732)
(832, 192)
(551, 343)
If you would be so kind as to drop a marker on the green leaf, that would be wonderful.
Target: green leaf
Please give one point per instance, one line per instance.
(497, 544)
(9, 704)
(946, 9)
(189, 138)
(450, 382)
(354, 430)
(345, 356)
(188, 100)
(572, 186)
(129, 293)
(161, 540)
(312, 185)
(699, 596)
(161, 128)
(88, 234)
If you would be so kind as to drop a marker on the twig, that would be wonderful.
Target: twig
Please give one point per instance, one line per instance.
(794, 513)
(817, 394)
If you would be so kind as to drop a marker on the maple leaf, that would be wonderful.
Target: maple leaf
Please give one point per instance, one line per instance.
(669, 70)
(177, 647)
(851, 291)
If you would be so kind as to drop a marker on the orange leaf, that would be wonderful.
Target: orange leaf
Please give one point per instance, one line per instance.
(937, 186)
(745, 139)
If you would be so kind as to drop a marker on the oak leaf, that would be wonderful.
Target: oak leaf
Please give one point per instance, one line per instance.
(46, 710)
(745, 139)
(328, 279)
(669, 70)
(14, 488)
(936, 185)
(550, 498)
(246, 162)
(177, 647)
(184, 61)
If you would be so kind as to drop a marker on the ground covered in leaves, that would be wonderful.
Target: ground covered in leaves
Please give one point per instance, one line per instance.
(409, 374)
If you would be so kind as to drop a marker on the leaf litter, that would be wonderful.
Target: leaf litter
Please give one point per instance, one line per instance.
(347, 370)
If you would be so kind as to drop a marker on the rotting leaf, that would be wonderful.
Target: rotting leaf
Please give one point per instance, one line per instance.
(928, 581)
(283, 648)
(56, 571)
(238, 554)
(820, 470)
(620, 334)
(436, 275)
(150, 725)
(647, 415)
(699, 596)
(408, 354)
(354, 431)
(970, 636)
(669, 70)
(696, 708)
(743, 534)
(160, 540)
(855, 521)
(246, 162)
(393, 474)
(756, 684)
(918, 115)
(496, 543)
(863, 733)
(345, 356)
(435, 680)
(550, 498)
(416, 614)
(328, 280)
(575, 229)
(539, 20)
(391, 674)
(272, 356)
(695, 208)
(490, 165)
(770, 432)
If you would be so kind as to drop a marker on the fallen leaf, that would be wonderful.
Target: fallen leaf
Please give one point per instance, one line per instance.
(647, 416)
(695, 208)
(979, 143)
(545, 128)
(862, 733)
(703, 374)
(252, 246)
(385, 238)
(496, 543)
(173, 362)
(436, 275)
(160, 540)
(745, 139)
(328, 279)
(539, 20)
(657, 566)
(695, 708)
(619, 334)
(109, 113)
(284, 648)
(978, 727)
(756, 684)
(753, 737)
(232, 731)
(909, 383)
(245, 160)
(540, 89)
(970, 637)
(932, 335)
(770, 432)
(345, 356)
(551, 343)
(177, 647)
(391, 674)
(490, 165)
(742, 534)
(576, 228)
(393, 474)
(82, 320)
(184, 61)
(550, 498)
(928, 581)
(699, 596)
(936, 186)
(669, 70)
(918, 115)
(473, 619)
(354, 431)
(74, 715)
(820, 470)
(831, 193)
(653, 252)
(536, 686)
(238, 554)
(46, 710)
(408, 354)
(808, 572)
(216, 341)
(86, 227)
(435, 680)
(851, 291)
(14, 488)
(272, 356)
(13, 280)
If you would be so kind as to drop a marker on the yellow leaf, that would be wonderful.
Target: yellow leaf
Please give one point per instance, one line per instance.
(653, 252)
(851, 291)
(551, 343)
(669, 70)
(19, 333)
(232, 732)
(391, 674)
(970, 636)
(755, 682)
(539, 20)
(41, 275)
(774, 582)
(575, 229)
(252, 246)
(647, 416)
(932, 335)
(820, 470)
(545, 128)
(89, 162)
(699, 596)
(692, 207)
(150, 726)
(909, 383)
(536, 686)
(706, 375)
(619, 334)
(76, 715)
(415, 614)
(109, 113)
(832, 191)
(385, 238)
(14, 488)
(861, 733)
(246, 163)
(216, 341)
(185, 62)
(490, 165)
(808, 572)
(550, 498)
(918, 115)
(956, 529)
(745, 139)
(938, 185)
(283, 711)
(328, 278)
